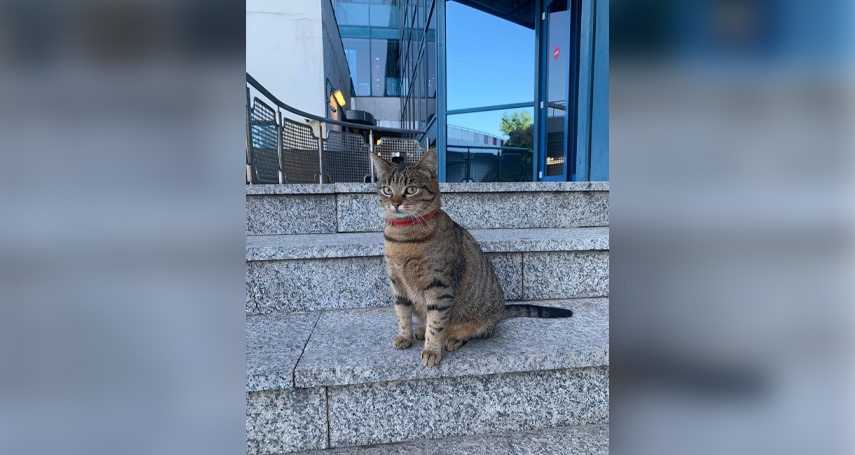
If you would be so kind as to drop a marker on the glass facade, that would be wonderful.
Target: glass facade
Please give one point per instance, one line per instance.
(358, 53)
(517, 82)
(376, 13)
(490, 86)
(390, 47)
(557, 85)
(371, 38)
(418, 66)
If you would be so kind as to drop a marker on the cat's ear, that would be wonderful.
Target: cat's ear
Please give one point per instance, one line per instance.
(428, 160)
(381, 166)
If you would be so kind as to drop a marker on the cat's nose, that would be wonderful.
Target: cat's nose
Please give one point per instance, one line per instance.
(396, 204)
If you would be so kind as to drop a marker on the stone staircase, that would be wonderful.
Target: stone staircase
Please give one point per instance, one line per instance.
(321, 372)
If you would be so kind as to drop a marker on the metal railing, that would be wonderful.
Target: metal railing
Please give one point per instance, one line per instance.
(287, 145)
(488, 164)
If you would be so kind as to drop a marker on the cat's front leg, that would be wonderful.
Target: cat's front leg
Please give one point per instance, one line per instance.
(404, 311)
(439, 300)
(422, 326)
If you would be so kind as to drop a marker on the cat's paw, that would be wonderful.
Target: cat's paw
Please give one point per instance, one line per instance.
(453, 344)
(420, 333)
(401, 342)
(430, 358)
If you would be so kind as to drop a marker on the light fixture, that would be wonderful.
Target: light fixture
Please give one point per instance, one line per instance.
(339, 97)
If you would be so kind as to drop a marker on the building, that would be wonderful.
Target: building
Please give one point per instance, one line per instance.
(389, 58)
(296, 51)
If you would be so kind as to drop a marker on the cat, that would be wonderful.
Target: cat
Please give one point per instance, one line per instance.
(436, 268)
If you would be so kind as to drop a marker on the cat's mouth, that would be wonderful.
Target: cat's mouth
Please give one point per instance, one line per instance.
(398, 213)
(401, 213)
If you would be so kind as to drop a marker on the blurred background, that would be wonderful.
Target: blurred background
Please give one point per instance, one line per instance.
(122, 226)
(732, 203)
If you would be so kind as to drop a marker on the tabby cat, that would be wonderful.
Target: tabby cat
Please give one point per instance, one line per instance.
(436, 268)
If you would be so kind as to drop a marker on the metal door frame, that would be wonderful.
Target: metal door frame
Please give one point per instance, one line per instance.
(577, 117)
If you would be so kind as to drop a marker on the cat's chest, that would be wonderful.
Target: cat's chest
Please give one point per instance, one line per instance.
(407, 247)
(407, 266)
(412, 272)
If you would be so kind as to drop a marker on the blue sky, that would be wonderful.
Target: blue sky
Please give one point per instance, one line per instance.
(490, 61)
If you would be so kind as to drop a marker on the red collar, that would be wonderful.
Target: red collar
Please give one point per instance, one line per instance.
(412, 222)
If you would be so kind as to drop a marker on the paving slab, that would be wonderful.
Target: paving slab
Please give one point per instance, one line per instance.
(355, 346)
(273, 346)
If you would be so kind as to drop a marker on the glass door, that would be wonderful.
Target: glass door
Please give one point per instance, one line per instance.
(554, 108)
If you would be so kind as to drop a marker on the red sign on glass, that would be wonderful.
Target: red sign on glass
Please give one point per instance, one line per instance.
(556, 52)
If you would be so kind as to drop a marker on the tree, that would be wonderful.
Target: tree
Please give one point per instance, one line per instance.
(519, 126)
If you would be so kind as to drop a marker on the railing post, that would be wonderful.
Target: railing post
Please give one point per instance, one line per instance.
(248, 141)
(531, 164)
(498, 165)
(468, 164)
(320, 153)
(371, 150)
(279, 144)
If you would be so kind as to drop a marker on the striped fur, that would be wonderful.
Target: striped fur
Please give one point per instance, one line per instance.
(437, 270)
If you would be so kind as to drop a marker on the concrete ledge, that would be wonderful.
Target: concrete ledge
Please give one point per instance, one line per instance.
(292, 214)
(359, 212)
(354, 389)
(385, 412)
(352, 282)
(258, 190)
(355, 347)
(315, 246)
(314, 272)
(282, 421)
(587, 440)
(558, 275)
(497, 187)
(347, 347)
(273, 343)
(353, 207)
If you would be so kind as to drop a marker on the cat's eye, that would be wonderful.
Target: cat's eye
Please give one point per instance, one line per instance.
(411, 190)
(387, 191)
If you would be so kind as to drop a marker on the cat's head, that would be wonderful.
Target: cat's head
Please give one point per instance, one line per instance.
(407, 192)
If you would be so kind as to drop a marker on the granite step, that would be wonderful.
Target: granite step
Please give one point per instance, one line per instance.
(306, 272)
(581, 440)
(352, 207)
(331, 379)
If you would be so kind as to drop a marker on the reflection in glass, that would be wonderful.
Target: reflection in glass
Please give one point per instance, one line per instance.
(417, 66)
(487, 68)
(351, 12)
(384, 13)
(357, 52)
(479, 151)
(385, 77)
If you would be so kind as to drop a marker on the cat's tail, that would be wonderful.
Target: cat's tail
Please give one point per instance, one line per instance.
(535, 311)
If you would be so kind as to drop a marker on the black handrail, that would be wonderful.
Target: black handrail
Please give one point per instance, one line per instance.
(256, 85)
